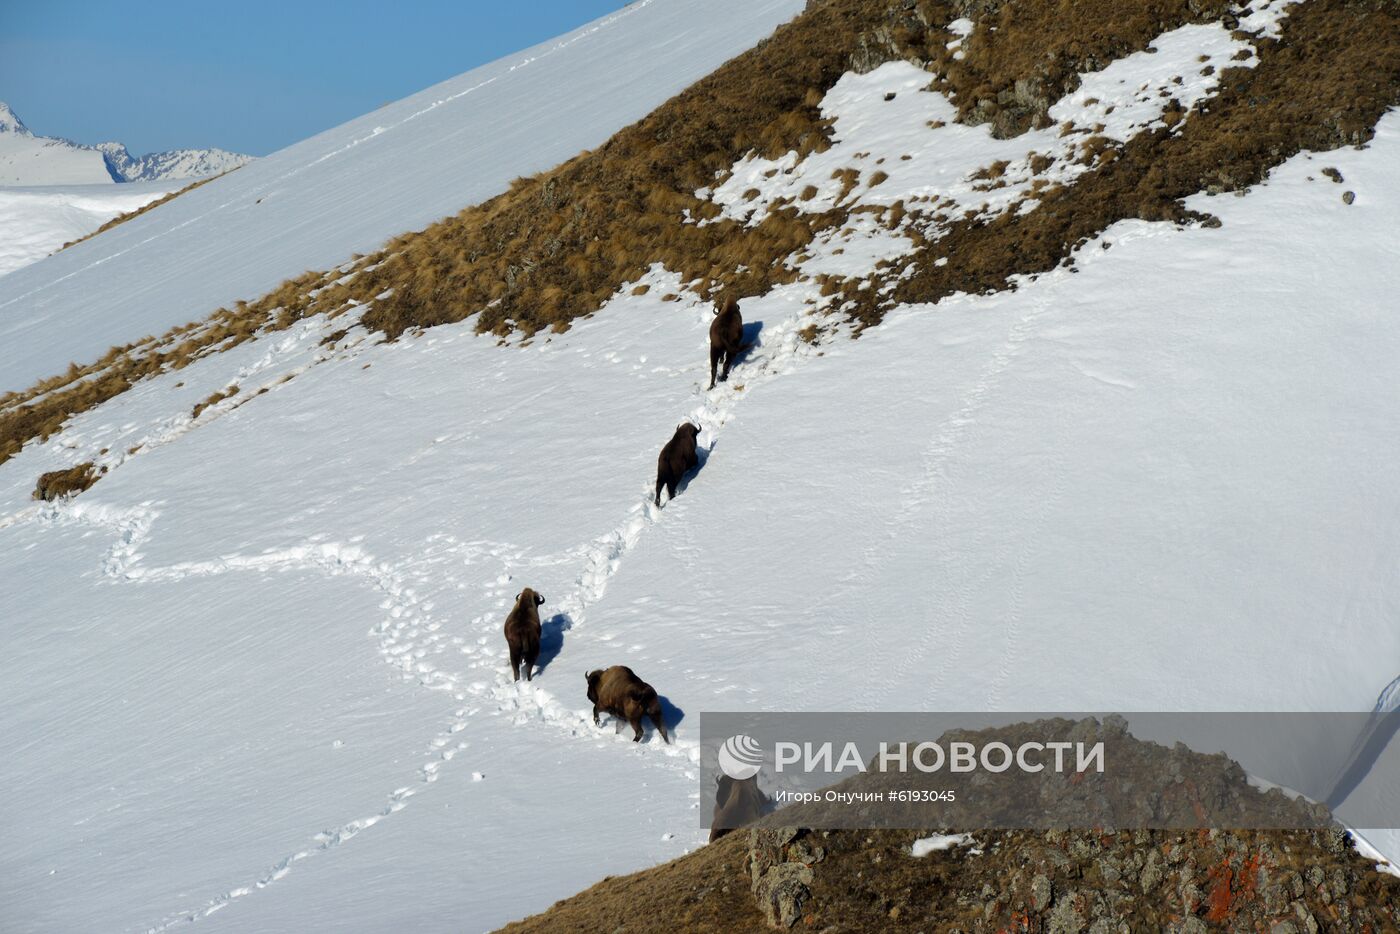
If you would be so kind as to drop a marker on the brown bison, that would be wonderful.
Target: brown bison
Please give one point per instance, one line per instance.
(523, 632)
(726, 339)
(677, 459)
(737, 803)
(618, 691)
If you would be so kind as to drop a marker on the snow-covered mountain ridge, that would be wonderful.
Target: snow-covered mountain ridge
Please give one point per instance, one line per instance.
(169, 165)
(26, 159)
(1108, 440)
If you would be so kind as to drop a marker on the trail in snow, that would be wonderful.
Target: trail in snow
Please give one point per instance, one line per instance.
(412, 640)
(409, 637)
(938, 461)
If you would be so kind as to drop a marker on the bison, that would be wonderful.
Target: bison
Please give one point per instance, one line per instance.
(726, 339)
(523, 632)
(737, 803)
(677, 459)
(618, 691)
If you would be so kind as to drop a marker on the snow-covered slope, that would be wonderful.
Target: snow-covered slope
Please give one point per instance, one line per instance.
(36, 221)
(26, 159)
(351, 188)
(259, 668)
(256, 676)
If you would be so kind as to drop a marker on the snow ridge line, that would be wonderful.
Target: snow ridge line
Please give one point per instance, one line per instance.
(583, 33)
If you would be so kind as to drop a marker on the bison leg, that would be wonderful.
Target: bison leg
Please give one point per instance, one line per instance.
(728, 361)
(661, 728)
(671, 490)
(636, 729)
(515, 662)
(530, 659)
(596, 722)
(715, 353)
(659, 483)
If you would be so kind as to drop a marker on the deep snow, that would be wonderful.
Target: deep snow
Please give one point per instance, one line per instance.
(34, 222)
(257, 676)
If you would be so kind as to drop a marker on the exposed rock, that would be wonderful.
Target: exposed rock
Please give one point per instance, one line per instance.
(780, 872)
(1041, 893)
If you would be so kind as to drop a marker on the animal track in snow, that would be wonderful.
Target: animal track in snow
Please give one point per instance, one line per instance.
(409, 638)
(938, 455)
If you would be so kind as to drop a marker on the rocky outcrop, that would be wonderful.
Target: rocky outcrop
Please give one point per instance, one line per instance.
(780, 871)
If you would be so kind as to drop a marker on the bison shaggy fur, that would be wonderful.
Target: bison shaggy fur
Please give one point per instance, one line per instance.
(726, 339)
(618, 691)
(677, 459)
(523, 632)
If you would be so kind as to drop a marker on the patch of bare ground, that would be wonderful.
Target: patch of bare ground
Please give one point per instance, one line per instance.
(1021, 881)
(42, 410)
(60, 484)
(213, 399)
(1323, 84)
(705, 892)
(555, 246)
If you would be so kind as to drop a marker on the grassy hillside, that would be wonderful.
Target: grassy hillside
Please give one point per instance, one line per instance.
(129, 215)
(556, 245)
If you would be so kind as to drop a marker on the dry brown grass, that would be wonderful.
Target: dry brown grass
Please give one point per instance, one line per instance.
(42, 410)
(214, 399)
(867, 881)
(60, 484)
(706, 892)
(123, 218)
(1323, 84)
(555, 246)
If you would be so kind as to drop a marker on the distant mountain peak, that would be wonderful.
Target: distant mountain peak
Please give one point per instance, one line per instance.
(10, 121)
(176, 163)
(39, 160)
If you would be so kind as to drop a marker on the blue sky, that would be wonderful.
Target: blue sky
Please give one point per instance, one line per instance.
(250, 75)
